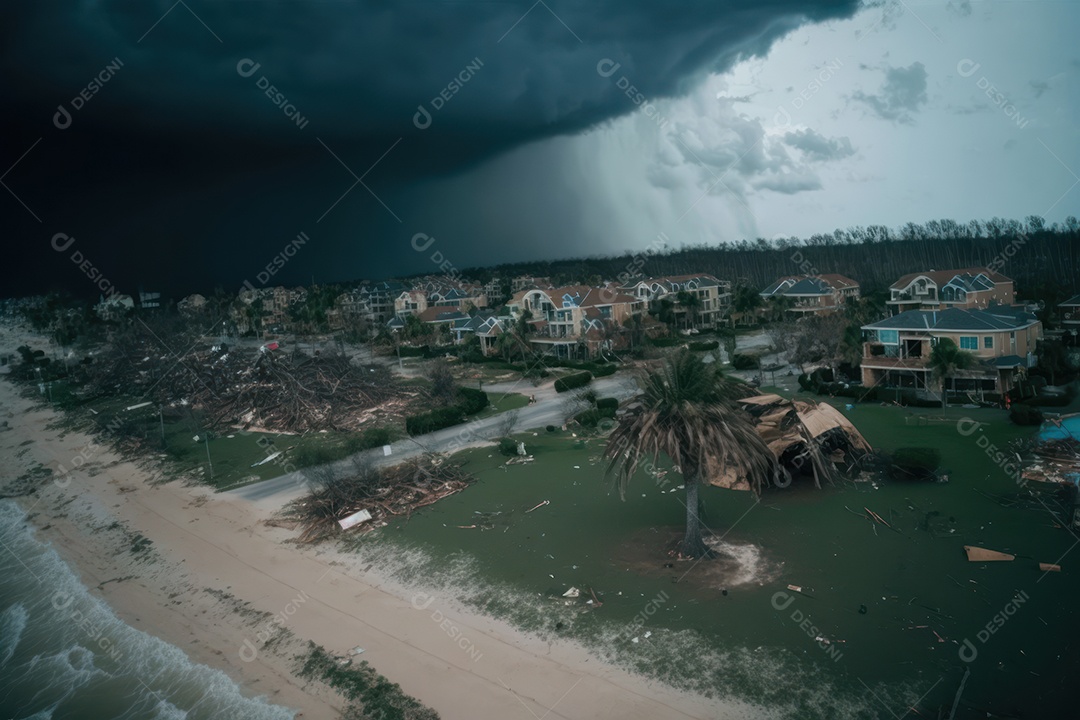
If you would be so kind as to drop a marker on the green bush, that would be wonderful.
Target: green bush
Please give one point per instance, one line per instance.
(507, 446)
(434, 420)
(705, 346)
(570, 382)
(370, 438)
(591, 418)
(607, 404)
(745, 362)
(471, 400)
(1022, 414)
(415, 351)
(551, 429)
(670, 341)
(605, 370)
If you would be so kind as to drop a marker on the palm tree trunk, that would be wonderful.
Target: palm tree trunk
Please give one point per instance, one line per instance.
(693, 545)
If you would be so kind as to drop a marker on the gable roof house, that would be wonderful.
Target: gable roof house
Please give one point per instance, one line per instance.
(571, 320)
(713, 297)
(813, 294)
(967, 288)
(1070, 313)
(897, 349)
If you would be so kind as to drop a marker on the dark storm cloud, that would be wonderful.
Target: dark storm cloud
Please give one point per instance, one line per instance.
(181, 157)
(815, 146)
(903, 93)
(357, 69)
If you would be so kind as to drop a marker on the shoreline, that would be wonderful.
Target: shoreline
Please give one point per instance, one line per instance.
(218, 566)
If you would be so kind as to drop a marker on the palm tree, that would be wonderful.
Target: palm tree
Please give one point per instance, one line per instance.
(688, 413)
(945, 359)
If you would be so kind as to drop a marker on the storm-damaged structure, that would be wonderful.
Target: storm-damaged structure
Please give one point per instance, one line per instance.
(806, 438)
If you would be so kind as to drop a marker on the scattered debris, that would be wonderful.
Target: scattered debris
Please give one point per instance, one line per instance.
(978, 554)
(539, 505)
(573, 592)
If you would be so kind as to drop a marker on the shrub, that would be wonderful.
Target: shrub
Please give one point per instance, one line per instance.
(571, 382)
(805, 383)
(370, 438)
(415, 351)
(507, 446)
(434, 420)
(1025, 415)
(666, 341)
(471, 400)
(607, 404)
(591, 418)
(605, 370)
(745, 362)
(551, 428)
(705, 346)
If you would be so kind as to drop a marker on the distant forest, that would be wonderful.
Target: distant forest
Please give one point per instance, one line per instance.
(1042, 259)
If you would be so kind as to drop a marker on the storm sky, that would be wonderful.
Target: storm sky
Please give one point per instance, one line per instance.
(186, 144)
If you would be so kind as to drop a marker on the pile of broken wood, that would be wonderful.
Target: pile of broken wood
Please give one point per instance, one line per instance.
(375, 495)
(254, 388)
(1054, 461)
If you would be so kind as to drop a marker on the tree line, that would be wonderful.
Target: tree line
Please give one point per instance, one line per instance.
(1042, 259)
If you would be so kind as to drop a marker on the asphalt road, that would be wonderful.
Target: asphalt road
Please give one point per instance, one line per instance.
(551, 408)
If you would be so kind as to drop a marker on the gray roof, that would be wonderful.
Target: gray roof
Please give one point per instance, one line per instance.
(994, 318)
(1074, 301)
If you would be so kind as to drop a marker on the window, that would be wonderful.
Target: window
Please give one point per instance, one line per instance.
(888, 337)
(988, 342)
(969, 342)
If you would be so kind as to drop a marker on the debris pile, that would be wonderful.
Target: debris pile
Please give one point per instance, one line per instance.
(262, 389)
(1055, 461)
(368, 498)
(805, 437)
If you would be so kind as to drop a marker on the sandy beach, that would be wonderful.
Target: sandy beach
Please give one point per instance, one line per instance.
(216, 574)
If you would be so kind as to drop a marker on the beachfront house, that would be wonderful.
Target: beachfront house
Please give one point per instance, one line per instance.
(813, 294)
(698, 300)
(573, 321)
(966, 289)
(896, 351)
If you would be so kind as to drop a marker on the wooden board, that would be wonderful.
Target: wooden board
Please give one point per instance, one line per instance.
(1049, 567)
(978, 554)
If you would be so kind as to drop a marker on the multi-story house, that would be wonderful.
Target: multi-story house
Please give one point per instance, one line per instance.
(1070, 313)
(575, 319)
(410, 302)
(966, 289)
(712, 297)
(814, 294)
(897, 349)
